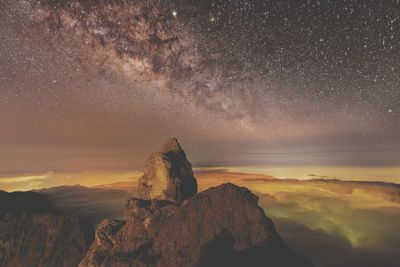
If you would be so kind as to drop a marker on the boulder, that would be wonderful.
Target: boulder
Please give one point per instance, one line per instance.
(168, 175)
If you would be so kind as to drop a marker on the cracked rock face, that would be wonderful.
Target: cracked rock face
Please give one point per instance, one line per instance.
(168, 175)
(222, 226)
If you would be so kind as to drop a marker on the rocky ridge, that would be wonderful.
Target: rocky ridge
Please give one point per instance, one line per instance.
(222, 226)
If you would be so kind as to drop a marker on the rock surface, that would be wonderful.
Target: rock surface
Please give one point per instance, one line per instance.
(222, 226)
(168, 175)
(33, 234)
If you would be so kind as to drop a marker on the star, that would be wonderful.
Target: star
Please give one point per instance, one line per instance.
(254, 68)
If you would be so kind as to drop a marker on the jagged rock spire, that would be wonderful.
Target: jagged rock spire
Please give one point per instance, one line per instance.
(168, 175)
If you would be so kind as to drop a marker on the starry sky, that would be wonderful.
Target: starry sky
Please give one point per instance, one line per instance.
(98, 85)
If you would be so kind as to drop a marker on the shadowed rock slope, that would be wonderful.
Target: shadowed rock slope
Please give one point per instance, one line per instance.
(222, 226)
(33, 234)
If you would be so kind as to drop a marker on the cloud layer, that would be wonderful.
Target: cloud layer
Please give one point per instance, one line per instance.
(334, 223)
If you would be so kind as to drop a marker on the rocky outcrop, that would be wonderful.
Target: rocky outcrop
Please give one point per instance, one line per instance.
(32, 233)
(171, 226)
(223, 226)
(168, 175)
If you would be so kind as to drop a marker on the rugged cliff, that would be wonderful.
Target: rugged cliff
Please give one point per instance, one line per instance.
(222, 226)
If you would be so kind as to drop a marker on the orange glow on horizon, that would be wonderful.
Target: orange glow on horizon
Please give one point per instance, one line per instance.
(206, 176)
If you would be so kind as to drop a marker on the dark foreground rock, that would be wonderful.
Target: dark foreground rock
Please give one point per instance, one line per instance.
(32, 233)
(223, 226)
(168, 175)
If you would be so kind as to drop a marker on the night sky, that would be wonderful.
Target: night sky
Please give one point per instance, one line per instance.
(93, 85)
(254, 91)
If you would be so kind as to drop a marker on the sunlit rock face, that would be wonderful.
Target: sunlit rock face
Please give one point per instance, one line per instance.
(168, 175)
(222, 226)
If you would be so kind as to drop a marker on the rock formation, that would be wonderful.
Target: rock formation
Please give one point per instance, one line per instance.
(168, 175)
(32, 233)
(220, 227)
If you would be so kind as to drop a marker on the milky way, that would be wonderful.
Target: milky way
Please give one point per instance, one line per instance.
(280, 76)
